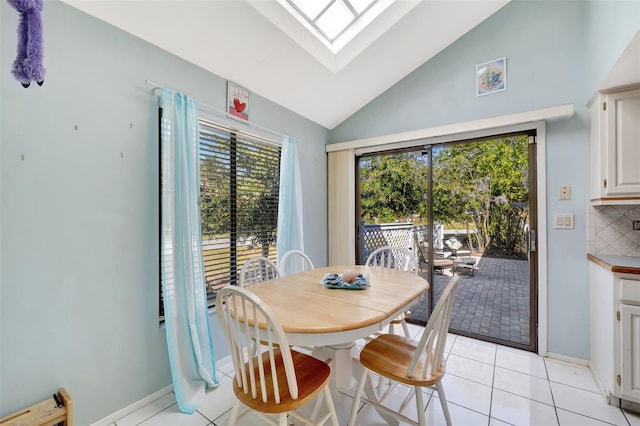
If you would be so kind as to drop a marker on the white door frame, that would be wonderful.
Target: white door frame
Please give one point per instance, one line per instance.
(468, 130)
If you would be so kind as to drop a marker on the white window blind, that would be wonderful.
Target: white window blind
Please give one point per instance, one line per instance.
(239, 190)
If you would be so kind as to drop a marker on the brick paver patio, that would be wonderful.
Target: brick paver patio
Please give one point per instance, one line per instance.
(494, 302)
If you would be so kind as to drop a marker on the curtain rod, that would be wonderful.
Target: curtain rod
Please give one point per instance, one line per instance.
(218, 111)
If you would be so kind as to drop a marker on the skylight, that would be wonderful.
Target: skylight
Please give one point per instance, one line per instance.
(335, 22)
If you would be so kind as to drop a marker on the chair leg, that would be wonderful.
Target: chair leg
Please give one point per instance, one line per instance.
(282, 419)
(330, 406)
(234, 414)
(316, 406)
(420, 406)
(443, 402)
(405, 327)
(358, 395)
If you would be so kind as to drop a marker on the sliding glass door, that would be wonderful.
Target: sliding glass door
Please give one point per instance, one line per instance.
(465, 209)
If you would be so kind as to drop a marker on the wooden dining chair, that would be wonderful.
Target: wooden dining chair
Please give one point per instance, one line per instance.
(258, 269)
(402, 360)
(276, 380)
(294, 261)
(395, 258)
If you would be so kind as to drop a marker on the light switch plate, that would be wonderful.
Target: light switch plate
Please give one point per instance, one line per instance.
(563, 221)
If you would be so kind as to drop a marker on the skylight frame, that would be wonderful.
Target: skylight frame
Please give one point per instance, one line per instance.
(355, 25)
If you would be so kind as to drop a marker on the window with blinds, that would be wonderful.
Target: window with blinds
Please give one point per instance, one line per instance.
(239, 190)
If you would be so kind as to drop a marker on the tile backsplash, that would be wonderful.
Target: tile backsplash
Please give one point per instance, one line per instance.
(610, 230)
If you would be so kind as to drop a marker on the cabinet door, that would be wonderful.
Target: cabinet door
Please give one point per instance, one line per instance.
(630, 356)
(623, 143)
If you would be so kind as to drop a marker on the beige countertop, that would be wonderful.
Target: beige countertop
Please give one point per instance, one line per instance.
(619, 264)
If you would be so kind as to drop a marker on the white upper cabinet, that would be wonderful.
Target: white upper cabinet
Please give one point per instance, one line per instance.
(623, 143)
(615, 147)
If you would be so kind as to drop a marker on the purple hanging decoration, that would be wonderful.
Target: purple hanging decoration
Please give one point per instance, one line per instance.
(28, 64)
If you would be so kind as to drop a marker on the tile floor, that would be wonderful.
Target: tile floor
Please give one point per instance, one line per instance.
(486, 384)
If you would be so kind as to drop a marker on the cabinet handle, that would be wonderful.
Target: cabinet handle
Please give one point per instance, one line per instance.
(604, 183)
(618, 315)
(618, 379)
(604, 106)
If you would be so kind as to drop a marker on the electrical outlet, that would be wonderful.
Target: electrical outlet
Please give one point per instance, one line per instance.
(636, 225)
(565, 193)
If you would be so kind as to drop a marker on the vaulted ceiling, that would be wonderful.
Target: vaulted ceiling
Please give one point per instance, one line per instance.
(259, 45)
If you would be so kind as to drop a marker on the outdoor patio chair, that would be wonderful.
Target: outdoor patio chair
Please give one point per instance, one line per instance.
(395, 258)
(440, 262)
(275, 380)
(257, 269)
(402, 360)
(294, 261)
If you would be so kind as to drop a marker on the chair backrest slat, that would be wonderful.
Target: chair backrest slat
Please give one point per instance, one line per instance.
(245, 319)
(257, 269)
(294, 261)
(394, 258)
(435, 332)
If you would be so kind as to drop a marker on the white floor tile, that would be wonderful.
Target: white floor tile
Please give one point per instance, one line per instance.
(459, 415)
(172, 416)
(343, 404)
(511, 386)
(470, 369)
(218, 400)
(368, 416)
(587, 403)
(147, 411)
(466, 393)
(225, 365)
(518, 410)
(475, 349)
(633, 418)
(415, 331)
(451, 340)
(523, 385)
(521, 361)
(400, 393)
(571, 374)
(496, 422)
(251, 419)
(567, 418)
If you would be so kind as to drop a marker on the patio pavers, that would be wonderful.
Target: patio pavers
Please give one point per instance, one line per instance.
(494, 302)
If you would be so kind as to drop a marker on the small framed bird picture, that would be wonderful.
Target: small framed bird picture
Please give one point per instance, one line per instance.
(491, 77)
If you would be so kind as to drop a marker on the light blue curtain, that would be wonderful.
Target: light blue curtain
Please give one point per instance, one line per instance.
(290, 228)
(189, 339)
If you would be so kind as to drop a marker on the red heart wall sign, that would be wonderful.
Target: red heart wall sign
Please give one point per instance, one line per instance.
(239, 106)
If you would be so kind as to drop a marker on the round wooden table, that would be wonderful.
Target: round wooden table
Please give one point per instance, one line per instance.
(331, 320)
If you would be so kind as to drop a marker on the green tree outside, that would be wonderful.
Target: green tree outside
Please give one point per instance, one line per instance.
(479, 186)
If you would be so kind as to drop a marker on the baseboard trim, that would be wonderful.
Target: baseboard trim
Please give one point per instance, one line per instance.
(568, 359)
(111, 418)
(601, 387)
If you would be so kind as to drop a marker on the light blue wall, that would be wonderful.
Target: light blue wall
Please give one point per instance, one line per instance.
(79, 214)
(78, 220)
(609, 26)
(548, 54)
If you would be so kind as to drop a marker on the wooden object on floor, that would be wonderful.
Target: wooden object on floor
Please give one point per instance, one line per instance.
(45, 413)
